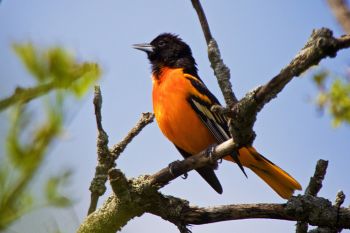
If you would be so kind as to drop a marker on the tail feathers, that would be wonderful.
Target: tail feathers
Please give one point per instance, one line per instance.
(279, 180)
(206, 172)
(209, 175)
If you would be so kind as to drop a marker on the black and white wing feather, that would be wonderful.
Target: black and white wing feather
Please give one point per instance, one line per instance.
(216, 123)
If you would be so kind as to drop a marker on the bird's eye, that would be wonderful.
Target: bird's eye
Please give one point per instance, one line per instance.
(161, 43)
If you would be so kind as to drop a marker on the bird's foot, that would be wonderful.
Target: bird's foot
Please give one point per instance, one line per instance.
(211, 155)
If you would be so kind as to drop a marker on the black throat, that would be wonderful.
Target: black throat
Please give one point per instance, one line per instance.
(187, 63)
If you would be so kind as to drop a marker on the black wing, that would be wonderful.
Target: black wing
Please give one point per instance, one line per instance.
(216, 123)
(206, 172)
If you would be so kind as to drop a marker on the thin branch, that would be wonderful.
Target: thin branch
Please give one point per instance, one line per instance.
(203, 20)
(320, 45)
(106, 157)
(316, 180)
(339, 199)
(312, 189)
(341, 11)
(221, 71)
(206, 157)
(24, 95)
(118, 148)
(105, 161)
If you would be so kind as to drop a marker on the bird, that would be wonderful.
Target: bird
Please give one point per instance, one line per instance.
(182, 107)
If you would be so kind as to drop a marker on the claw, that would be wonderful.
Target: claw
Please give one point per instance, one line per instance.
(210, 152)
(173, 170)
(211, 155)
(172, 167)
(184, 176)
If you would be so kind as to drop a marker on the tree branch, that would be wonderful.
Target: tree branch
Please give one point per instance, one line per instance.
(118, 148)
(339, 200)
(24, 95)
(315, 183)
(320, 45)
(341, 11)
(312, 189)
(137, 196)
(315, 210)
(106, 157)
(221, 71)
(206, 157)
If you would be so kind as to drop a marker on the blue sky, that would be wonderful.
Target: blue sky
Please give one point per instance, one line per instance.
(257, 39)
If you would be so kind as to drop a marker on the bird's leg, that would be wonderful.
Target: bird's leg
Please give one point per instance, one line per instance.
(210, 153)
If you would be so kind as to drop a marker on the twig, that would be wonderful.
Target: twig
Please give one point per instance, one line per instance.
(341, 11)
(315, 183)
(221, 71)
(24, 95)
(106, 157)
(118, 148)
(203, 20)
(320, 45)
(312, 189)
(339, 199)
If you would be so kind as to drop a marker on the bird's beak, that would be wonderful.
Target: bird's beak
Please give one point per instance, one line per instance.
(148, 48)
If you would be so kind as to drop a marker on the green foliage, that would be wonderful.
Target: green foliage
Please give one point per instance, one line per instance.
(339, 95)
(335, 97)
(52, 187)
(52, 69)
(34, 64)
(57, 73)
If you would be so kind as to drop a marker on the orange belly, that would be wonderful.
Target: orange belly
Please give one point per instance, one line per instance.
(175, 117)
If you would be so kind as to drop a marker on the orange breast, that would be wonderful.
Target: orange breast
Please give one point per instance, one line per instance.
(175, 116)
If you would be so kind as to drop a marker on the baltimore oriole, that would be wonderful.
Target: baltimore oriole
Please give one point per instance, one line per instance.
(182, 107)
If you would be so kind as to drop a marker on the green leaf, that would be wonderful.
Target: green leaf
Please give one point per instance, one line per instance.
(339, 97)
(29, 56)
(320, 77)
(89, 73)
(58, 73)
(54, 184)
(60, 64)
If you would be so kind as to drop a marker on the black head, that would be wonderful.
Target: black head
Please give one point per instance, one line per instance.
(168, 50)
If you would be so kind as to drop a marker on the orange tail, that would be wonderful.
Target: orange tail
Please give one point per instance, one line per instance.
(275, 177)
